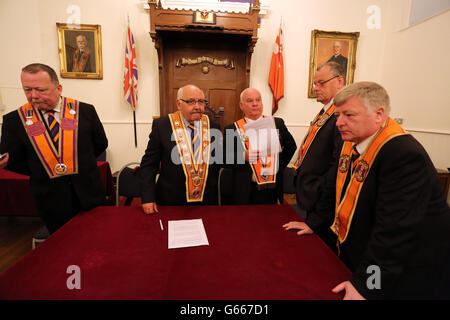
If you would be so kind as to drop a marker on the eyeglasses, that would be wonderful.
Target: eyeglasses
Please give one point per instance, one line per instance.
(191, 102)
(322, 83)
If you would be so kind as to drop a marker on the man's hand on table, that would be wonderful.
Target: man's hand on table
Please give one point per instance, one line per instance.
(150, 208)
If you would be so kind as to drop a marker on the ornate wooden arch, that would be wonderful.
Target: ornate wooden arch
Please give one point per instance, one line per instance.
(209, 34)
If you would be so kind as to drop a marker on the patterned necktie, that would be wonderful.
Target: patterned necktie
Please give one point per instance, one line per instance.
(353, 163)
(53, 126)
(355, 156)
(195, 144)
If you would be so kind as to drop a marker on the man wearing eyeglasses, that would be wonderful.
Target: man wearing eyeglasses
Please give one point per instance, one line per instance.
(181, 149)
(318, 149)
(389, 214)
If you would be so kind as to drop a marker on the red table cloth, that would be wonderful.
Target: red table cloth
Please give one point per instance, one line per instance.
(16, 198)
(123, 254)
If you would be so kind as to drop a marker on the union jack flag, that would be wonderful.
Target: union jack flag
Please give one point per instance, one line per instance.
(131, 71)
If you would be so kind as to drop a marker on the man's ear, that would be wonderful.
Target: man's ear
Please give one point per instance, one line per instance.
(380, 114)
(341, 82)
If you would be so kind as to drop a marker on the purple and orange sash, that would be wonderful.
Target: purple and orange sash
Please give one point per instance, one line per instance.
(196, 172)
(265, 173)
(346, 208)
(61, 161)
(314, 128)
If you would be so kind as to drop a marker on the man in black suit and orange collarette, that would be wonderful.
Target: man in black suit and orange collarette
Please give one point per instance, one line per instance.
(55, 140)
(390, 217)
(256, 178)
(319, 148)
(182, 149)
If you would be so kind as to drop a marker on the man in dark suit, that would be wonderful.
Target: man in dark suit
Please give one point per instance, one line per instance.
(182, 149)
(252, 178)
(55, 140)
(338, 57)
(391, 219)
(319, 147)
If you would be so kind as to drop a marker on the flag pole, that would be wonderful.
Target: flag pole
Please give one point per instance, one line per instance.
(132, 90)
(134, 122)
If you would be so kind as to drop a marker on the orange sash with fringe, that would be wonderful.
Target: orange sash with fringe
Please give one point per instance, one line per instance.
(346, 208)
(63, 161)
(265, 173)
(196, 172)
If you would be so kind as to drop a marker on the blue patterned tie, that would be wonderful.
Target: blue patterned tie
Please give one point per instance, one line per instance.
(53, 126)
(195, 144)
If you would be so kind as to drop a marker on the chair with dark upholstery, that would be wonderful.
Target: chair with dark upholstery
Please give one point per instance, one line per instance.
(40, 236)
(225, 186)
(127, 183)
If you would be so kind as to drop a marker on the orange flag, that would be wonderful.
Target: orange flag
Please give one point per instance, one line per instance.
(276, 74)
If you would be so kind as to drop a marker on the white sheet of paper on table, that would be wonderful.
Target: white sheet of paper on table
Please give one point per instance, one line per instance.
(187, 233)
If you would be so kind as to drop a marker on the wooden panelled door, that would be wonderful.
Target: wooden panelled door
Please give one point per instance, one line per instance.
(215, 63)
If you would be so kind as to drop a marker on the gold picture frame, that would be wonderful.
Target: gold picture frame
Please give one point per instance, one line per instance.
(80, 51)
(332, 46)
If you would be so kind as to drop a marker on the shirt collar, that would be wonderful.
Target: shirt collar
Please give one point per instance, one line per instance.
(363, 145)
(251, 120)
(329, 104)
(58, 106)
(186, 123)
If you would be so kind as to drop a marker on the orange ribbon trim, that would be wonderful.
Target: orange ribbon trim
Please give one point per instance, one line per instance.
(196, 172)
(346, 208)
(264, 173)
(63, 161)
(314, 128)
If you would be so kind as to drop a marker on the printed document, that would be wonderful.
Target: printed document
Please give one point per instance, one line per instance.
(263, 136)
(187, 233)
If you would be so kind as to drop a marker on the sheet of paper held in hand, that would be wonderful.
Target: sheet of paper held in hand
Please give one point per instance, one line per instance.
(263, 136)
(187, 233)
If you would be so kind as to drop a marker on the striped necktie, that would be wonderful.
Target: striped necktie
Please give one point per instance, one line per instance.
(353, 163)
(53, 126)
(355, 156)
(195, 144)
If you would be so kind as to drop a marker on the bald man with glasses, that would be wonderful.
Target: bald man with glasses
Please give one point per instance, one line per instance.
(318, 149)
(181, 149)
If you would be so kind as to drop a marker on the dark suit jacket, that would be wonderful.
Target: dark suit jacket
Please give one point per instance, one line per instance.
(171, 186)
(51, 194)
(341, 60)
(319, 159)
(242, 171)
(401, 224)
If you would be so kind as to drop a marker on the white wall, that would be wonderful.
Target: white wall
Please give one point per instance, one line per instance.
(411, 63)
(416, 72)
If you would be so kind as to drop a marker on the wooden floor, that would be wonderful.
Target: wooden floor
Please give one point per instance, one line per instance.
(16, 234)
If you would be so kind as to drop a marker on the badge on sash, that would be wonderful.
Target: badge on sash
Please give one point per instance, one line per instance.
(29, 116)
(71, 108)
(60, 169)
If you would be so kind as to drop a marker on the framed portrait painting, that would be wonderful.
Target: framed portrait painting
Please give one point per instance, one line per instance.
(334, 46)
(80, 51)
